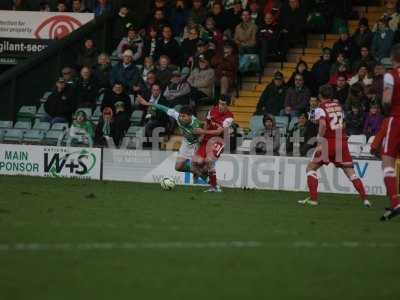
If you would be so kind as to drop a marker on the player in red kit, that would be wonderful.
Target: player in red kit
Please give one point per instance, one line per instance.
(391, 141)
(332, 147)
(212, 146)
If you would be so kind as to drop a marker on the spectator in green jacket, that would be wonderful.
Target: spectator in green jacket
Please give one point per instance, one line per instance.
(273, 97)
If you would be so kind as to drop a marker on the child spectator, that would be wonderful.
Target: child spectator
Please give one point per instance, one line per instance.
(81, 131)
(373, 121)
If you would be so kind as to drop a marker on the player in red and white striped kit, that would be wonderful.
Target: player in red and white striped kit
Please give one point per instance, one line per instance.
(211, 146)
(391, 141)
(332, 147)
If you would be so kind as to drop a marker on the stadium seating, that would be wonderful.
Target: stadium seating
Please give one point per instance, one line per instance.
(23, 125)
(26, 113)
(356, 143)
(59, 126)
(137, 117)
(256, 125)
(366, 149)
(44, 126)
(34, 136)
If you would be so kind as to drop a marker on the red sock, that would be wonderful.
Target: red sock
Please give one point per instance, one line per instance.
(359, 186)
(391, 189)
(213, 179)
(312, 182)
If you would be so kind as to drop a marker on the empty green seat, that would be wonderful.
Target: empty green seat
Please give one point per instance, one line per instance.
(23, 125)
(13, 135)
(34, 136)
(59, 126)
(26, 113)
(44, 126)
(53, 137)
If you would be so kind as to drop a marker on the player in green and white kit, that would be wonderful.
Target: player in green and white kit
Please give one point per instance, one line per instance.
(191, 129)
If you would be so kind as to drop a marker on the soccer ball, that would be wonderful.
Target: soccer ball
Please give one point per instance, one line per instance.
(167, 184)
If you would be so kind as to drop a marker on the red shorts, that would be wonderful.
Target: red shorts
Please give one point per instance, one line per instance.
(210, 150)
(391, 141)
(334, 152)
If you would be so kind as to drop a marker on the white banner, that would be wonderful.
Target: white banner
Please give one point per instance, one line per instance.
(40, 25)
(49, 161)
(251, 171)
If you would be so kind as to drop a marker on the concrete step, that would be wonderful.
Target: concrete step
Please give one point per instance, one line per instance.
(250, 93)
(242, 109)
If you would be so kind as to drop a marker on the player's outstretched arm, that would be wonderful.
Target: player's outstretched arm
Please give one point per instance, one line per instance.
(216, 132)
(169, 111)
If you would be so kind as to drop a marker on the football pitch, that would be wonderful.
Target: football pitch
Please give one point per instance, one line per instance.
(69, 239)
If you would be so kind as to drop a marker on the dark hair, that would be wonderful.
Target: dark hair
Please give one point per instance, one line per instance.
(186, 110)
(326, 91)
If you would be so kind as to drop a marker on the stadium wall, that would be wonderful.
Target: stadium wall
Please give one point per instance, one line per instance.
(233, 170)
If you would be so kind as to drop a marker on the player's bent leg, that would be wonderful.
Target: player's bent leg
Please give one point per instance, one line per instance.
(183, 165)
(389, 173)
(358, 185)
(312, 183)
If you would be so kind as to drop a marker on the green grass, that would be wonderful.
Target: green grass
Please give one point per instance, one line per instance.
(338, 250)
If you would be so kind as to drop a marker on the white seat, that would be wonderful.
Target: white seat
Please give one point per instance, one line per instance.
(366, 150)
(245, 146)
(355, 150)
(357, 139)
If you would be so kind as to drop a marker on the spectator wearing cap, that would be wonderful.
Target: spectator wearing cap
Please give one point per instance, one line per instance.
(362, 76)
(87, 89)
(117, 94)
(271, 141)
(268, 36)
(225, 64)
(179, 17)
(121, 22)
(125, 71)
(198, 12)
(102, 71)
(273, 97)
(297, 97)
(134, 42)
(293, 21)
(60, 104)
(363, 35)
(246, 34)
(202, 81)
(382, 40)
(321, 69)
(344, 45)
(164, 71)
(341, 89)
(88, 55)
(366, 58)
(234, 15)
(177, 91)
(170, 47)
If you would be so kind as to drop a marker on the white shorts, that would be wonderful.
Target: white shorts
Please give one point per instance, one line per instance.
(187, 151)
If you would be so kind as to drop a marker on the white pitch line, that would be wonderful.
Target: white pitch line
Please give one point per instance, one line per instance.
(37, 247)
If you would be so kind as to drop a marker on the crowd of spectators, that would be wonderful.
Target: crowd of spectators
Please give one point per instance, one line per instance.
(354, 66)
(190, 52)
